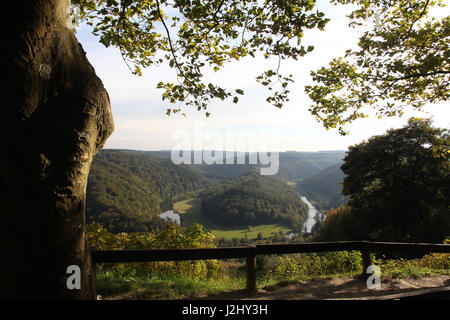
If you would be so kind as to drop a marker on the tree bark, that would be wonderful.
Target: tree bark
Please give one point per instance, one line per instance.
(55, 115)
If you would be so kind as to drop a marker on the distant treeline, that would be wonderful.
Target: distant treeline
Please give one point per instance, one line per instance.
(398, 185)
(293, 165)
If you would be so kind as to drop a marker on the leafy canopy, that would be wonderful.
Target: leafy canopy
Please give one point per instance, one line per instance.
(402, 60)
(399, 183)
(192, 35)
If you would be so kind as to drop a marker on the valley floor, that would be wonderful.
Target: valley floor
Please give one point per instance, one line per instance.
(190, 212)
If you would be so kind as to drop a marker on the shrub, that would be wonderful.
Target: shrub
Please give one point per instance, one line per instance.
(171, 237)
(311, 265)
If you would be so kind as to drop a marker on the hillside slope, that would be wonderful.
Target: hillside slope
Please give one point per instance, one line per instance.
(324, 188)
(252, 199)
(292, 165)
(125, 189)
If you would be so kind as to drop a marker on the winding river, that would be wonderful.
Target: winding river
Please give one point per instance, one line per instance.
(312, 211)
(170, 215)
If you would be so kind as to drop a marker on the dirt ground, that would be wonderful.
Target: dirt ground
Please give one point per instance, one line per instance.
(337, 288)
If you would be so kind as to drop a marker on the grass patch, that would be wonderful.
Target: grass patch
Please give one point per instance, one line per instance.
(265, 229)
(190, 212)
(131, 284)
(430, 265)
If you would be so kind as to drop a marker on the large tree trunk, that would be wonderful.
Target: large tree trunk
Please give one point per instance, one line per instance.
(55, 115)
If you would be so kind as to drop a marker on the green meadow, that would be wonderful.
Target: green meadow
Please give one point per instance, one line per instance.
(190, 212)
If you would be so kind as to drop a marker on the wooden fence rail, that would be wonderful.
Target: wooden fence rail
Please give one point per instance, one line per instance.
(250, 253)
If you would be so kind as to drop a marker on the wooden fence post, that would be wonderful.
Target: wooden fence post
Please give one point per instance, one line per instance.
(251, 270)
(94, 280)
(366, 260)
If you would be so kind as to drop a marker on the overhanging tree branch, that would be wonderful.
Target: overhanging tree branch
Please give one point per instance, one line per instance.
(420, 16)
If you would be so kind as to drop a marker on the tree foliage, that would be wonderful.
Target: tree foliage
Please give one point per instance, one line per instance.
(170, 237)
(340, 224)
(399, 184)
(402, 60)
(193, 36)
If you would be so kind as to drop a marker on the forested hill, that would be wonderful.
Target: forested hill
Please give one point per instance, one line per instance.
(252, 199)
(168, 178)
(293, 165)
(324, 188)
(125, 189)
(301, 165)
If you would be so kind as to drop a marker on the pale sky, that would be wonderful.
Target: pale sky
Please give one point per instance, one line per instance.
(140, 116)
